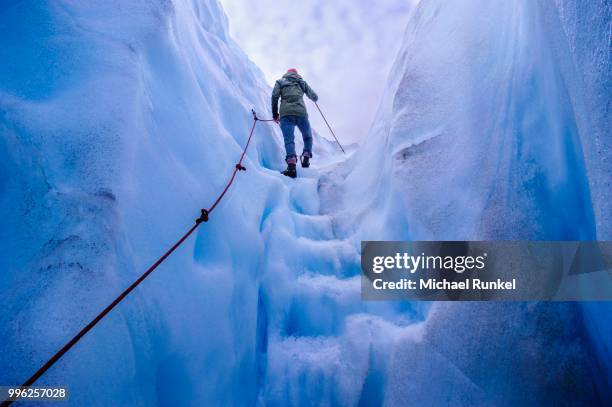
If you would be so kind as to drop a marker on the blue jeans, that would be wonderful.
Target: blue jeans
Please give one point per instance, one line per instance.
(287, 125)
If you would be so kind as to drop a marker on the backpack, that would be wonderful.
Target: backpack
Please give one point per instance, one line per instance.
(291, 90)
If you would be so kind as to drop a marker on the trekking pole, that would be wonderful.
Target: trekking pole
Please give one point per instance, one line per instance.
(329, 127)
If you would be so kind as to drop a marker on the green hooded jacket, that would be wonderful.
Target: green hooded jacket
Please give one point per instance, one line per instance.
(291, 89)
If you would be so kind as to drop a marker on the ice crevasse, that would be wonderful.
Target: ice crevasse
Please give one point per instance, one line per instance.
(119, 120)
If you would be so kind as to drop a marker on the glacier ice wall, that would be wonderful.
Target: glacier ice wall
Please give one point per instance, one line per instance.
(589, 31)
(481, 135)
(476, 136)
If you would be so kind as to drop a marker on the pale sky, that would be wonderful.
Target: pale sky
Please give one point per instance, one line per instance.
(343, 49)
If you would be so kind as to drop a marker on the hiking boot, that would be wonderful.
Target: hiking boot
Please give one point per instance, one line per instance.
(291, 171)
(305, 161)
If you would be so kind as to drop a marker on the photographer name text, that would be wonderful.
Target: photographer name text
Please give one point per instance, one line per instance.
(411, 264)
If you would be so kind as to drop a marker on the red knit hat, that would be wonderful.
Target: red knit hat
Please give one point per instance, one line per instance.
(292, 70)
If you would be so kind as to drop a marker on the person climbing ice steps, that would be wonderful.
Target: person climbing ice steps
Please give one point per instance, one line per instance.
(291, 89)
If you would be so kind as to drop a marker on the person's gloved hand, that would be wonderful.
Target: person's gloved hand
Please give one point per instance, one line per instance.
(276, 118)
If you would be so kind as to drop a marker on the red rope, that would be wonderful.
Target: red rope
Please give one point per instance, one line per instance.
(109, 308)
(238, 166)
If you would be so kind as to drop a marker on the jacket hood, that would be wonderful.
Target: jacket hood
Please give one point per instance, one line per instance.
(292, 75)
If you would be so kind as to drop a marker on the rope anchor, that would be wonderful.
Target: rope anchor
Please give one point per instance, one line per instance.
(203, 216)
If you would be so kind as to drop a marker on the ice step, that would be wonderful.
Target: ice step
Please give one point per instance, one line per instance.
(314, 227)
(320, 303)
(329, 257)
(304, 371)
(304, 196)
(326, 370)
